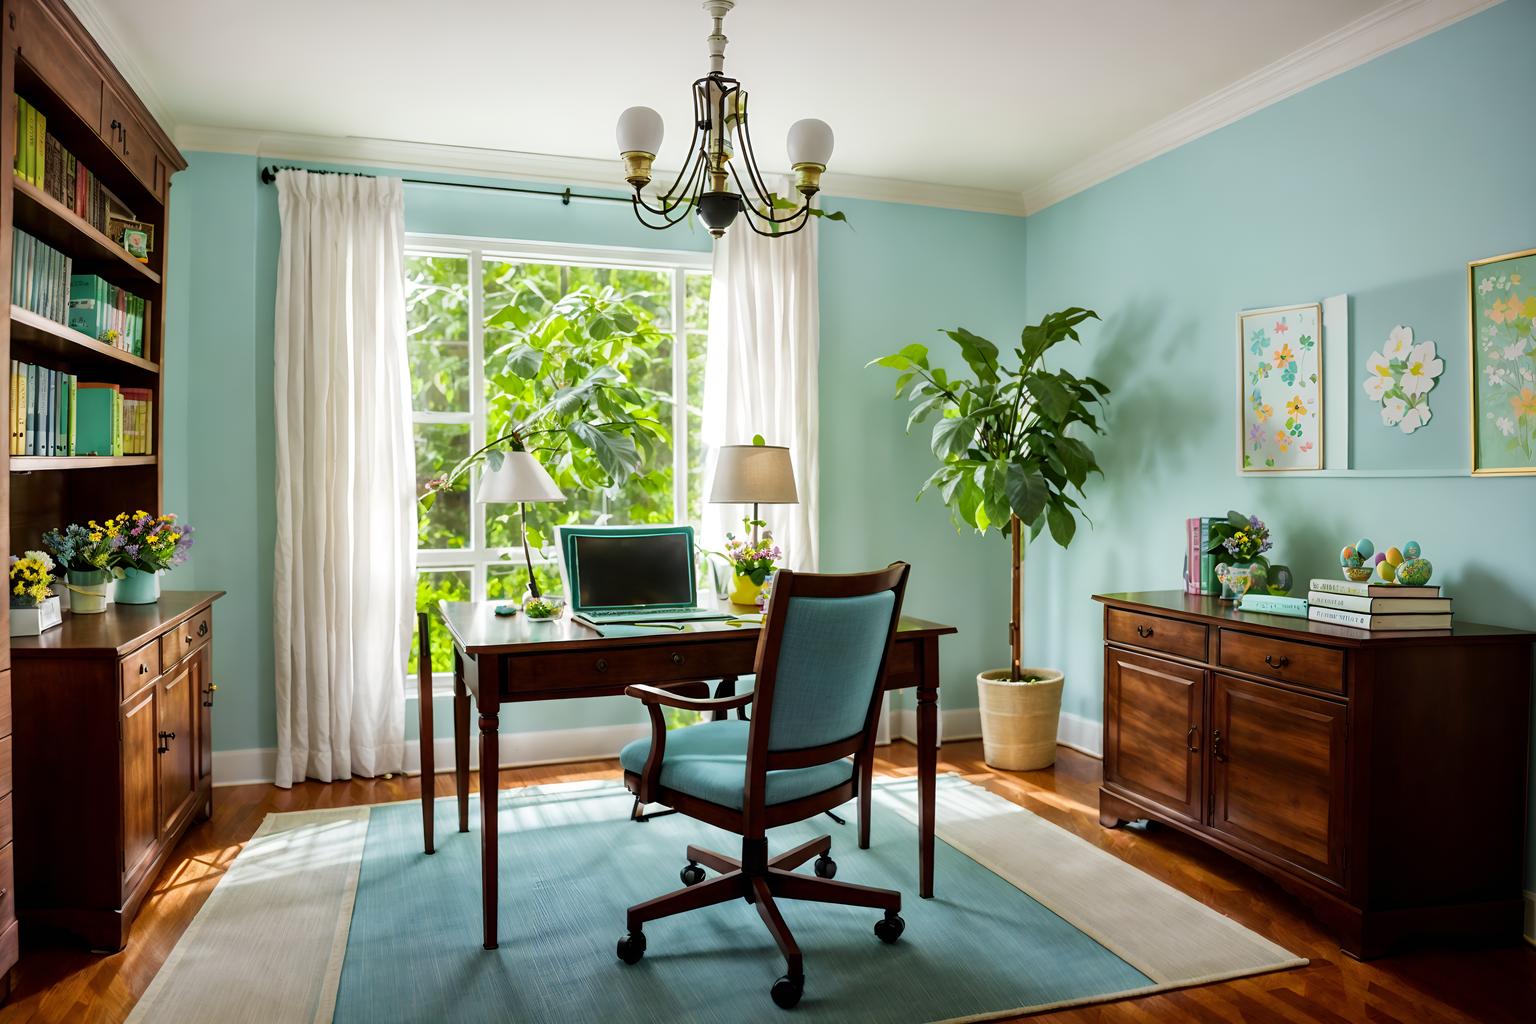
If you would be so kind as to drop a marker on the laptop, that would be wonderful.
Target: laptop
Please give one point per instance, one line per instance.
(625, 574)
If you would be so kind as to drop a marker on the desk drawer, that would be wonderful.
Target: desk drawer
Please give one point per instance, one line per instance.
(1155, 633)
(626, 666)
(138, 669)
(1303, 664)
(185, 638)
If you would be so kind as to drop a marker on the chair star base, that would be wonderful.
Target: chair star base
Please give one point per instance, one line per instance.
(762, 881)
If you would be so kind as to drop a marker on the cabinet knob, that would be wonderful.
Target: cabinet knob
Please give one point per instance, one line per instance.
(208, 692)
(1143, 631)
(1276, 663)
(1190, 739)
(677, 657)
(202, 628)
(601, 664)
(188, 638)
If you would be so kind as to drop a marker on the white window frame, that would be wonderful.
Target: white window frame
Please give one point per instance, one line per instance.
(477, 557)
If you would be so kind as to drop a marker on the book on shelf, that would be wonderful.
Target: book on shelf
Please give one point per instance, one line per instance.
(1200, 565)
(109, 314)
(1271, 604)
(40, 277)
(42, 410)
(1372, 605)
(1372, 589)
(1379, 621)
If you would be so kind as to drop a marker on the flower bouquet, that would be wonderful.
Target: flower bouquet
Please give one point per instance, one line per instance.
(1240, 541)
(87, 556)
(143, 547)
(34, 607)
(752, 563)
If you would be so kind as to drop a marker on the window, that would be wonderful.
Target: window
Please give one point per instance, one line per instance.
(461, 397)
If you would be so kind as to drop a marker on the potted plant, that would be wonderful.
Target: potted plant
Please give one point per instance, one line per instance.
(752, 559)
(86, 555)
(1240, 541)
(34, 607)
(1009, 459)
(144, 546)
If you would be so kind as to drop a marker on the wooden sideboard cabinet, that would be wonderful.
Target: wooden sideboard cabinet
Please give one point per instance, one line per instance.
(113, 758)
(1380, 777)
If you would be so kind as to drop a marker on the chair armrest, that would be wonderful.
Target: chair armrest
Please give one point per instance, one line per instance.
(651, 696)
(654, 699)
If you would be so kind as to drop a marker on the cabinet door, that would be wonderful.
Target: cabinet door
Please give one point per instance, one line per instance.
(1152, 730)
(140, 818)
(1278, 782)
(125, 133)
(178, 744)
(46, 45)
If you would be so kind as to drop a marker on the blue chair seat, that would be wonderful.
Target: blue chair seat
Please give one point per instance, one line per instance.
(709, 761)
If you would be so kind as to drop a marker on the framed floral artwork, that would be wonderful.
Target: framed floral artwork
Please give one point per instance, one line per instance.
(1501, 299)
(1280, 389)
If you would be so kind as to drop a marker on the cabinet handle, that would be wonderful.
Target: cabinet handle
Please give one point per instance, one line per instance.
(1276, 663)
(117, 128)
(1217, 750)
(188, 638)
(1190, 741)
(677, 657)
(143, 668)
(202, 628)
(601, 664)
(208, 694)
(165, 742)
(1143, 631)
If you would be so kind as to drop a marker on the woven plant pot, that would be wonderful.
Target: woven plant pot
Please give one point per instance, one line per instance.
(1018, 720)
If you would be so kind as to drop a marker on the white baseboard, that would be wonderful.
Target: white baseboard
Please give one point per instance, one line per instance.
(1084, 735)
(954, 724)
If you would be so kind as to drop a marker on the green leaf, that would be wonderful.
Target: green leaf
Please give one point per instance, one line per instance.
(1063, 526)
(599, 328)
(979, 353)
(952, 436)
(494, 459)
(1078, 459)
(624, 322)
(1050, 395)
(757, 440)
(1236, 518)
(1026, 490)
(534, 538)
(524, 361)
(615, 451)
(428, 499)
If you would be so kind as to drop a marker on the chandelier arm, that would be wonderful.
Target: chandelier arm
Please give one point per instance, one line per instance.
(769, 217)
(667, 198)
(752, 219)
(744, 136)
(667, 204)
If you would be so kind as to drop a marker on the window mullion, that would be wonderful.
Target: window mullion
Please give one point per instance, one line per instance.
(680, 481)
(477, 405)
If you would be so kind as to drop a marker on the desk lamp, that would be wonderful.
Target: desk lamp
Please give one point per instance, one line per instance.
(520, 479)
(758, 473)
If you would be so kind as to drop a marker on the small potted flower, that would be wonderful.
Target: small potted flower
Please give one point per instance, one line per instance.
(752, 562)
(1240, 542)
(85, 553)
(34, 606)
(144, 546)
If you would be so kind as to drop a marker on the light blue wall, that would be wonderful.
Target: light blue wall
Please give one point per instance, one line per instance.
(898, 273)
(1381, 183)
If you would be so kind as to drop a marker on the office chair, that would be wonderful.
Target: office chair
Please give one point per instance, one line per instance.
(820, 660)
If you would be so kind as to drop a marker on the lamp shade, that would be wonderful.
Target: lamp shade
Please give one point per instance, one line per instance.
(809, 142)
(520, 478)
(639, 131)
(758, 473)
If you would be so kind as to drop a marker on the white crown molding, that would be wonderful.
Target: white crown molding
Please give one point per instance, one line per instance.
(1384, 29)
(539, 167)
(121, 55)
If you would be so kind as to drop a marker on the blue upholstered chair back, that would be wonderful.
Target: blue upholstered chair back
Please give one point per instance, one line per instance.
(828, 668)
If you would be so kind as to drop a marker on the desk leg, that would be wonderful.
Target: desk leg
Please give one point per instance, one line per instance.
(424, 743)
(927, 763)
(461, 748)
(490, 722)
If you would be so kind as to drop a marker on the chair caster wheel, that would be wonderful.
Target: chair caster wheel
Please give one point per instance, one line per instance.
(825, 867)
(787, 991)
(889, 929)
(692, 874)
(632, 947)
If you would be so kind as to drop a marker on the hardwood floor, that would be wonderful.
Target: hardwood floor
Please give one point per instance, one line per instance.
(57, 982)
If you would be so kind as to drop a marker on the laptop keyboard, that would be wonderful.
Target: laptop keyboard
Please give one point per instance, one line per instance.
(627, 615)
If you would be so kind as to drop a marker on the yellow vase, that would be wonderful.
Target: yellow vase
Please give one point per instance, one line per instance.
(743, 590)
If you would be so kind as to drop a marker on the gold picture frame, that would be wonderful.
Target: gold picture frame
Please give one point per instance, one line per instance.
(1496, 298)
(1304, 452)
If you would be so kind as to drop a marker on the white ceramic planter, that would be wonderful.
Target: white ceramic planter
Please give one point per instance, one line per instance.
(33, 621)
(1019, 720)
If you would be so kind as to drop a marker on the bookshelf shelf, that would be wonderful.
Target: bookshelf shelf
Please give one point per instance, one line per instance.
(41, 215)
(35, 463)
(32, 333)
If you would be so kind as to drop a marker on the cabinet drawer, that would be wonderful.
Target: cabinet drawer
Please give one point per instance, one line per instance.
(139, 669)
(1304, 664)
(627, 666)
(1171, 636)
(185, 638)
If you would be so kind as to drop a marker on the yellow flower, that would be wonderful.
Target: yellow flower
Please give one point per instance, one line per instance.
(95, 537)
(1296, 407)
(153, 538)
(1262, 412)
(19, 588)
(173, 537)
(140, 514)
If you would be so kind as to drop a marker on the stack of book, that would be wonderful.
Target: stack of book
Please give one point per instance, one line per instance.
(44, 162)
(1200, 565)
(54, 413)
(1378, 606)
(107, 313)
(40, 277)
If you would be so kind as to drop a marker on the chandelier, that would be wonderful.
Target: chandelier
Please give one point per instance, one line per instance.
(720, 130)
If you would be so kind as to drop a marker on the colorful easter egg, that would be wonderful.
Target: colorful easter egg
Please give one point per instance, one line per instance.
(1394, 556)
(1378, 558)
(1415, 572)
(1348, 555)
(1365, 547)
(1411, 550)
(1386, 570)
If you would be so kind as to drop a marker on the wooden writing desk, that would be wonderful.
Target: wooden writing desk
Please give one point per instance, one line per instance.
(505, 660)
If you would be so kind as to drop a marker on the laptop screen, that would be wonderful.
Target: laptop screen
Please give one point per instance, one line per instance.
(624, 571)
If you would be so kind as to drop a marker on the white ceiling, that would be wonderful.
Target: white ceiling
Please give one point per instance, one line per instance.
(999, 95)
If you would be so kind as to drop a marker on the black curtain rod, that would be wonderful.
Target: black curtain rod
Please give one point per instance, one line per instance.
(269, 175)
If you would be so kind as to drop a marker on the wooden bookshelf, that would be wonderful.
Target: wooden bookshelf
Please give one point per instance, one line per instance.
(48, 59)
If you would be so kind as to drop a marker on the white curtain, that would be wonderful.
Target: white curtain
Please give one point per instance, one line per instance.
(346, 528)
(760, 374)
